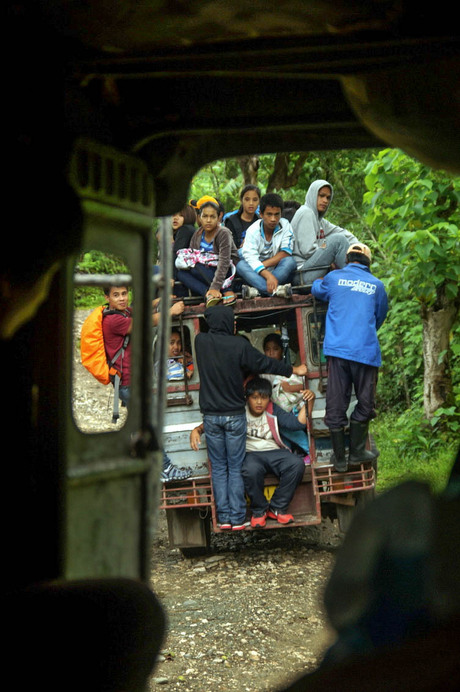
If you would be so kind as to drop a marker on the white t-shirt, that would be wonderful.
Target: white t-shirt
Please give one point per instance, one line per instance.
(259, 437)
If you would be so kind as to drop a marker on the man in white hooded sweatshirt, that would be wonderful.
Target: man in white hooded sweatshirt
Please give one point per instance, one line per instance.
(318, 243)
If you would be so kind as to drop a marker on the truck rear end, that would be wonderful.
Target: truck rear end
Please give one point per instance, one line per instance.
(189, 504)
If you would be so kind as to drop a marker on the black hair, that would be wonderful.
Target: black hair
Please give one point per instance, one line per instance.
(258, 384)
(290, 208)
(358, 257)
(276, 338)
(221, 206)
(189, 214)
(216, 207)
(248, 188)
(108, 288)
(271, 199)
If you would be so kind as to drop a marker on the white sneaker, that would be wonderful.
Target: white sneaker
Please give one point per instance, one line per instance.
(249, 292)
(283, 291)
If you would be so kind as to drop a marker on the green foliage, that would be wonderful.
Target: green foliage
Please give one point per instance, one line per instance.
(414, 214)
(411, 449)
(95, 262)
(344, 170)
(401, 373)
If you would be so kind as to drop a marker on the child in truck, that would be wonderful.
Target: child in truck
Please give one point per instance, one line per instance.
(176, 358)
(289, 393)
(267, 453)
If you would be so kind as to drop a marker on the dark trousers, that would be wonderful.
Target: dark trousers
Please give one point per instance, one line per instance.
(288, 467)
(342, 375)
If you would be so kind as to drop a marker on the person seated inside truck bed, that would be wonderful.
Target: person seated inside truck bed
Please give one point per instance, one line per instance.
(176, 358)
(267, 453)
(289, 393)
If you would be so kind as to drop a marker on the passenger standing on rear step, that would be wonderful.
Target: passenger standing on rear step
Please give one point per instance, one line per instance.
(357, 308)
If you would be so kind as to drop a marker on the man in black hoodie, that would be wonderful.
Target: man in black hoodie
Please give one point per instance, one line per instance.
(224, 359)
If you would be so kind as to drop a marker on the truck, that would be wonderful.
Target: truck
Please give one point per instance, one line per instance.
(189, 504)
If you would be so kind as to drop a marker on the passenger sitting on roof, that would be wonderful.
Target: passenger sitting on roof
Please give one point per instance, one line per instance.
(267, 266)
(183, 228)
(289, 393)
(318, 243)
(239, 221)
(207, 267)
(176, 358)
(290, 208)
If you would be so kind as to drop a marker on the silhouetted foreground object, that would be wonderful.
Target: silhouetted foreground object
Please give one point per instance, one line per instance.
(393, 596)
(101, 635)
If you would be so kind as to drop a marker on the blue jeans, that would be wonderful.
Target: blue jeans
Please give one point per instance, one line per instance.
(226, 443)
(334, 252)
(198, 278)
(284, 272)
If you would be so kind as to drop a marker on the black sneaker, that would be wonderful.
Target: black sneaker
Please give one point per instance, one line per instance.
(172, 473)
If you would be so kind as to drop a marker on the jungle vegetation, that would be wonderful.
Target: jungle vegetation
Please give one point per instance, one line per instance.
(409, 216)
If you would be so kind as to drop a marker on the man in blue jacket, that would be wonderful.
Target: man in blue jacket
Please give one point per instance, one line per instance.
(357, 308)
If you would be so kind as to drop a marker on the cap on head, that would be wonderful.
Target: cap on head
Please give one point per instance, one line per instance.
(360, 249)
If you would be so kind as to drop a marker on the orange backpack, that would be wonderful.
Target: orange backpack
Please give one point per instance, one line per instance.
(93, 355)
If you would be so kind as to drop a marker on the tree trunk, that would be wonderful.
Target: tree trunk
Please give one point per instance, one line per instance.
(249, 166)
(281, 177)
(437, 383)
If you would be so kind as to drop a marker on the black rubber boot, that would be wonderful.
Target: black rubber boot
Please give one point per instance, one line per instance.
(358, 436)
(338, 457)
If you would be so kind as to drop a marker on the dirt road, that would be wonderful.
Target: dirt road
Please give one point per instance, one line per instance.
(249, 615)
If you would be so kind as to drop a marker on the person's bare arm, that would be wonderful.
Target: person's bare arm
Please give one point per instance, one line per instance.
(175, 310)
(291, 387)
(195, 437)
(301, 370)
(302, 417)
(276, 259)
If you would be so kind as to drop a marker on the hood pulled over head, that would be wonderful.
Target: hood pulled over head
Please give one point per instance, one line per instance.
(311, 198)
(220, 319)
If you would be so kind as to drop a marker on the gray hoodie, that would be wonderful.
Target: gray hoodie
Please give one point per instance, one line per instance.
(310, 226)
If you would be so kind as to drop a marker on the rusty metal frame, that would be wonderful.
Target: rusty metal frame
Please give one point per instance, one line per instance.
(328, 482)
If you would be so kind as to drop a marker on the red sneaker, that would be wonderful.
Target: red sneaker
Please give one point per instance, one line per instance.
(258, 522)
(280, 518)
